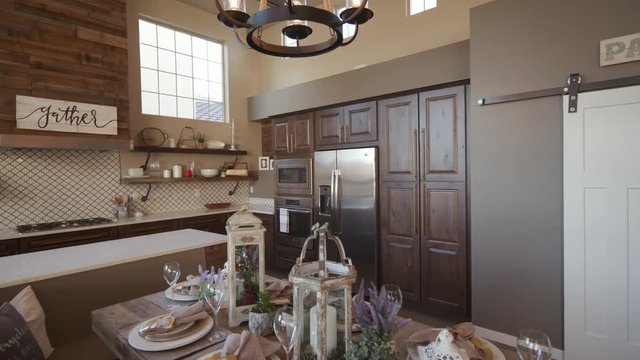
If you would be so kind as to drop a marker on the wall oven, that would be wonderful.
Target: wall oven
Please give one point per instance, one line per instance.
(293, 222)
(294, 176)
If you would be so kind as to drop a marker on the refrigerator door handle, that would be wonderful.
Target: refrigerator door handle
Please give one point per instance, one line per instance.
(337, 208)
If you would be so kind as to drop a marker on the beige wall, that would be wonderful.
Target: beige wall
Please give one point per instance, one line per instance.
(389, 35)
(242, 83)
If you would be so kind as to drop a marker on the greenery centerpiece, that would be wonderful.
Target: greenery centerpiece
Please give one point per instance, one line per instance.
(261, 315)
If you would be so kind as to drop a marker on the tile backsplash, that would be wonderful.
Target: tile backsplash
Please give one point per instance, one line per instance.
(51, 185)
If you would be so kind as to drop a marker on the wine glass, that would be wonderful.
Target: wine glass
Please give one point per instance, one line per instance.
(393, 293)
(214, 295)
(533, 345)
(171, 272)
(285, 327)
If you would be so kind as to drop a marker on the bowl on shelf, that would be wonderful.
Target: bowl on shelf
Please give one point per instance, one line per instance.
(214, 144)
(209, 173)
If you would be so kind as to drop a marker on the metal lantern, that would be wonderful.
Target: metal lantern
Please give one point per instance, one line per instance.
(322, 297)
(245, 260)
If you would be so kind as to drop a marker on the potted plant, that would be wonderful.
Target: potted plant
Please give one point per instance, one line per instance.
(199, 140)
(261, 315)
(379, 323)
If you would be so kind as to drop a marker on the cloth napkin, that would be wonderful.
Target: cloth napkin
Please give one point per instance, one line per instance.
(465, 339)
(277, 287)
(181, 315)
(248, 346)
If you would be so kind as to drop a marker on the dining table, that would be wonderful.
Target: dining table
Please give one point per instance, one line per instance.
(113, 323)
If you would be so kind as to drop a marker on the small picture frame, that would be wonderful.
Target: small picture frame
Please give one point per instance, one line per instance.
(263, 163)
(271, 167)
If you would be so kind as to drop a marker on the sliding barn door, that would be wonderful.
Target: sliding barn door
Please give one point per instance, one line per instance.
(602, 226)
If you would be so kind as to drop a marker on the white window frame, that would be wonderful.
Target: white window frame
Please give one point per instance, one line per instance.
(415, 7)
(210, 82)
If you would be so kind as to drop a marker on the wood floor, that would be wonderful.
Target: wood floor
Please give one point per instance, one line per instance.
(508, 351)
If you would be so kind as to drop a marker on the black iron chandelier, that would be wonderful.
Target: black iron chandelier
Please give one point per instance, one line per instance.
(296, 16)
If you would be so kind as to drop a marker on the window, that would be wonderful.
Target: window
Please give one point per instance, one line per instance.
(181, 75)
(347, 29)
(418, 6)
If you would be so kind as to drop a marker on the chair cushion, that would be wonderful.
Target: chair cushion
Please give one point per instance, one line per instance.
(29, 307)
(16, 339)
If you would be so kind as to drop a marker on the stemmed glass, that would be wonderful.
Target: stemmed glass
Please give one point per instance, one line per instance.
(533, 345)
(171, 272)
(285, 327)
(215, 295)
(393, 293)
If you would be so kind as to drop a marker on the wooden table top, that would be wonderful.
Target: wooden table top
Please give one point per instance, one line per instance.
(113, 323)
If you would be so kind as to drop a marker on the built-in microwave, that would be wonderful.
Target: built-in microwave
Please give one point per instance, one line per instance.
(293, 176)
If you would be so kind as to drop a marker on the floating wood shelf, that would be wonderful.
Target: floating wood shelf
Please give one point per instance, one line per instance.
(150, 149)
(158, 180)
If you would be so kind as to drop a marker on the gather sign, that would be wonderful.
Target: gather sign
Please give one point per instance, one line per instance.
(34, 113)
(620, 50)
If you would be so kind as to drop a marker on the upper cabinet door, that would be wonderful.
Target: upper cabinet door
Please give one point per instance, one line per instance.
(398, 126)
(301, 128)
(281, 138)
(329, 127)
(360, 123)
(442, 135)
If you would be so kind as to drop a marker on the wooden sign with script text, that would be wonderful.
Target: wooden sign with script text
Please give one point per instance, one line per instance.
(620, 50)
(54, 115)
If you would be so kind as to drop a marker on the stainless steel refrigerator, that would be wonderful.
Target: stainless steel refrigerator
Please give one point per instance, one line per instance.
(346, 198)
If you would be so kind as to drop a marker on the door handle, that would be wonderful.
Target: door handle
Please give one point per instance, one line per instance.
(337, 209)
(415, 151)
(422, 155)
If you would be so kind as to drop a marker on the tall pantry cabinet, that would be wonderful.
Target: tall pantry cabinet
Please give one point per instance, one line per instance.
(423, 202)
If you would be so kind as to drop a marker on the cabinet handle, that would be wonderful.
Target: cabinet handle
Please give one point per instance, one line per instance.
(346, 133)
(340, 133)
(423, 154)
(415, 150)
(291, 142)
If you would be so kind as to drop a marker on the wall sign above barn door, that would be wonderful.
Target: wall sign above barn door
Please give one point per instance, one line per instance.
(620, 50)
(65, 116)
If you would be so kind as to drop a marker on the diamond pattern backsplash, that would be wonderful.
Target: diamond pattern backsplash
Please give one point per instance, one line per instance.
(52, 185)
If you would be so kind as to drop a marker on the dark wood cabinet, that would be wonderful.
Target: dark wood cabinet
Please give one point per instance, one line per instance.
(54, 241)
(444, 247)
(352, 124)
(293, 134)
(443, 134)
(400, 238)
(398, 127)
(211, 223)
(147, 228)
(9, 247)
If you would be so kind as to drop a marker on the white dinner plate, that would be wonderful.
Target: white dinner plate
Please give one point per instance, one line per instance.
(136, 341)
(179, 297)
(207, 356)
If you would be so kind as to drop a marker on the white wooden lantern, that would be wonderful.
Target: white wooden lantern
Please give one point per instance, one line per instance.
(245, 260)
(322, 297)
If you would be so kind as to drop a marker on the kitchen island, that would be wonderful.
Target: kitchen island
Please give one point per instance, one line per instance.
(71, 282)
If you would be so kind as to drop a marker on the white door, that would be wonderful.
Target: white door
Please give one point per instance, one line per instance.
(602, 226)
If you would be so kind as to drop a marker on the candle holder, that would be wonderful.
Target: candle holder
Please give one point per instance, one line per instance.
(322, 297)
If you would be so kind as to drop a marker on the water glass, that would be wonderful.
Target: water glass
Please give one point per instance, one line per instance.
(214, 295)
(286, 328)
(533, 345)
(171, 272)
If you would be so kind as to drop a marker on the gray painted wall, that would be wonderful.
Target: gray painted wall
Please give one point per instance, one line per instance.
(445, 64)
(516, 150)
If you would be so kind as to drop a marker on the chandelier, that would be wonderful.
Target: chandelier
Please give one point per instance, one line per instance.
(295, 18)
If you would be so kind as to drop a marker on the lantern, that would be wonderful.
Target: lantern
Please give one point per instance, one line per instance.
(245, 260)
(322, 297)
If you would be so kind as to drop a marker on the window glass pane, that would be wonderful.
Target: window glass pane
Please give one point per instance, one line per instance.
(185, 86)
(202, 110)
(167, 60)
(148, 57)
(215, 92)
(166, 38)
(185, 108)
(167, 83)
(200, 91)
(168, 105)
(215, 72)
(214, 51)
(149, 103)
(183, 65)
(200, 69)
(183, 43)
(148, 80)
(199, 47)
(216, 111)
(430, 4)
(147, 32)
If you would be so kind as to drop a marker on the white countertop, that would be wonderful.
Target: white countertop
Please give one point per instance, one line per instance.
(40, 265)
(6, 234)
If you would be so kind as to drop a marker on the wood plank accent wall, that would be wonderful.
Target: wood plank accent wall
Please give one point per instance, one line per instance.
(74, 50)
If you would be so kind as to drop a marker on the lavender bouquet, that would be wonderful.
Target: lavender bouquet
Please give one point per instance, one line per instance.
(208, 277)
(379, 323)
